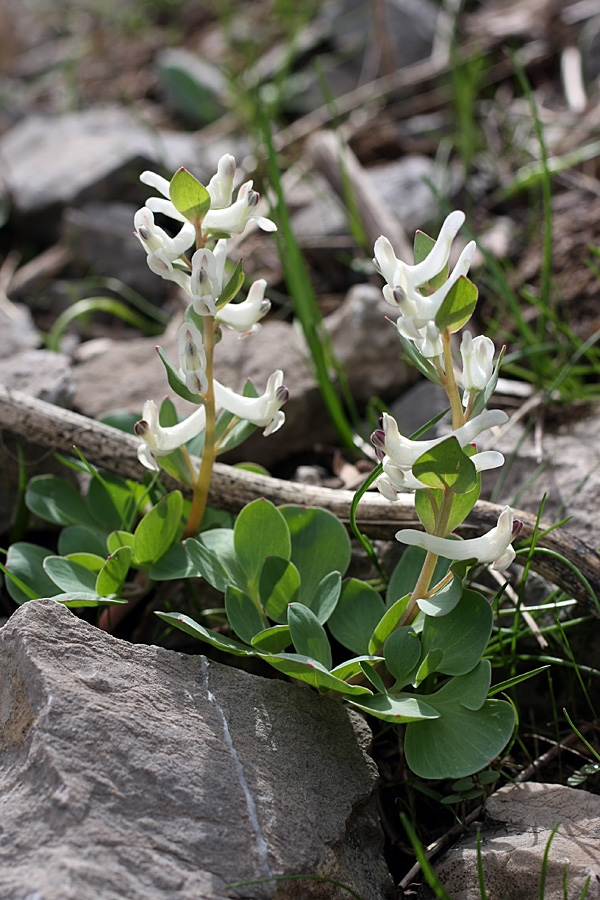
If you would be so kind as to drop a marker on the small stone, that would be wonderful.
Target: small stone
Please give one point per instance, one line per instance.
(17, 330)
(367, 346)
(519, 822)
(41, 373)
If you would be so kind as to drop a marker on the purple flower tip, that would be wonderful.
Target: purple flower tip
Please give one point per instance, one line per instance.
(517, 528)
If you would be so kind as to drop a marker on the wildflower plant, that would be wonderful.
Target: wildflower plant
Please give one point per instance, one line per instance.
(418, 655)
(207, 217)
(414, 656)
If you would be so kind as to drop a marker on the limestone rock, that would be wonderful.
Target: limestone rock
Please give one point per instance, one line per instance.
(368, 347)
(101, 239)
(17, 330)
(519, 821)
(41, 373)
(567, 470)
(132, 771)
(84, 156)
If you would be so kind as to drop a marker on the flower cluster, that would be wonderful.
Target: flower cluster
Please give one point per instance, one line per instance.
(212, 217)
(431, 309)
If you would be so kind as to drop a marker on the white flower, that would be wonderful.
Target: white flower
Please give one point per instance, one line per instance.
(154, 238)
(493, 547)
(407, 278)
(397, 480)
(417, 322)
(192, 358)
(233, 219)
(404, 453)
(244, 317)
(159, 441)
(264, 411)
(478, 363)
(220, 186)
(208, 269)
(160, 264)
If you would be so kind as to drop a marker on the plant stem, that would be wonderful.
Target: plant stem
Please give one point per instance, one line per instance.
(424, 580)
(450, 384)
(209, 452)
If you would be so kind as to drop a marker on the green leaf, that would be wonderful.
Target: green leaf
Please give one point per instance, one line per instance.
(469, 690)
(312, 672)
(78, 539)
(232, 287)
(462, 635)
(158, 529)
(221, 542)
(402, 652)
(320, 545)
(91, 561)
(458, 305)
(112, 501)
(278, 587)
(69, 575)
(352, 667)
(189, 197)
(326, 596)
(430, 663)
(119, 539)
(464, 739)
(176, 563)
(462, 504)
(55, 500)
(242, 614)
(82, 599)
(308, 635)
(272, 640)
(443, 601)
(184, 623)
(425, 508)
(114, 572)
(176, 382)
(396, 709)
(260, 531)
(387, 623)
(447, 467)
(371, 673)
(207, 564)
(24, 562)
(356, 615)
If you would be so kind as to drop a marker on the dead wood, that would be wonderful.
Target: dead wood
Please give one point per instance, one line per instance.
(108, 448)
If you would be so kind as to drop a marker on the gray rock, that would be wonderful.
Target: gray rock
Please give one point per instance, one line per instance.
(95, 154)
(41, 373)
(405, 184)
(17, 330)
(367, 346)
(418, 405)
(132, 771)
(100, 236)
(567, 471)
(519, 822)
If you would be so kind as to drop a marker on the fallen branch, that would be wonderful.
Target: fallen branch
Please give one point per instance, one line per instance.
(108, 448)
